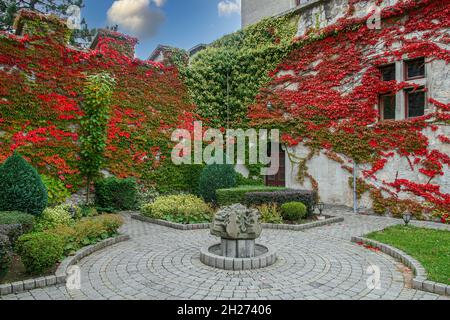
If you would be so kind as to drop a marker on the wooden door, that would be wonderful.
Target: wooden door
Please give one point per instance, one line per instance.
(278, 180)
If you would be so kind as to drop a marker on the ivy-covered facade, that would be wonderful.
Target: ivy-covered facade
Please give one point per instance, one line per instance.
(42, 80)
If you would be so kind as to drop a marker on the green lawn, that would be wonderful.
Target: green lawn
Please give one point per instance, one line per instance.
(430, 247)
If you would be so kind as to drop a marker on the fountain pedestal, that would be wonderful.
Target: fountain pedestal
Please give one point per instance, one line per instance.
(238, 248)
(238, 227)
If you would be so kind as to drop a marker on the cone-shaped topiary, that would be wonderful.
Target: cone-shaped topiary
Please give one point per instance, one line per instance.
(214, 177)
(21, 187)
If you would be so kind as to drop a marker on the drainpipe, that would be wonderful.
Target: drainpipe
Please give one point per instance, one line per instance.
(355, 193)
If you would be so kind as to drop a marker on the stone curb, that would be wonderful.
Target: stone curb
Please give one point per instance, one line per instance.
(61, 273)
(301, 227)
(238, 264)
(172, 225)
(420, 281)
(201, 226)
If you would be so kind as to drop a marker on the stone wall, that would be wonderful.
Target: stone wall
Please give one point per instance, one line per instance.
(255, 10)
(332, 178)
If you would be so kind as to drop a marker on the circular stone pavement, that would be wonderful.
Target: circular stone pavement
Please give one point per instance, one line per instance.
(163, 263)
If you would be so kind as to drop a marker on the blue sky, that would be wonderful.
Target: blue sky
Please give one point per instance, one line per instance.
(179, 23)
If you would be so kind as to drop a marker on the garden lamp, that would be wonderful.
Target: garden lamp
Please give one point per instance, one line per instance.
(407, 218)
(269, 106)
(321, 207)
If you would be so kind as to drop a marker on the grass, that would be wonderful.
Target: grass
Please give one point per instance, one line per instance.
(430, 247)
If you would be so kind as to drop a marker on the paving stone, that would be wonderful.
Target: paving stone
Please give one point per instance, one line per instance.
(162, 263)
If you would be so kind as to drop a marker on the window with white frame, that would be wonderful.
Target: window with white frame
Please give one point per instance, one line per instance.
(409, 102)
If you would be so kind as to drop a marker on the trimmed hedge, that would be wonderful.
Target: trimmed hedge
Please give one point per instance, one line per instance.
(5, 254)
(214, 177)
(293, 211)
(308, 198)
(15, 217)
(21, 187)
(40, 251)
(116, 194)
(226, 197)
(185, 209)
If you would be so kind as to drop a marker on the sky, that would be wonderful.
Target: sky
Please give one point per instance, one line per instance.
(179, 23)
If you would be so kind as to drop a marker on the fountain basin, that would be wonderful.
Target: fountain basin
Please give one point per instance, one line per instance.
(212, 256)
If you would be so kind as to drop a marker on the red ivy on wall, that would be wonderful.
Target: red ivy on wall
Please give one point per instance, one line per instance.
(325, 93)
(41, 80)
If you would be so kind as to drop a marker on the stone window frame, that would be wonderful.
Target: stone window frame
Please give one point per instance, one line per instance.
(401, 103)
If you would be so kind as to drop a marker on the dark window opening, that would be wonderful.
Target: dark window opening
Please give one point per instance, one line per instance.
(415, 69)
(387, 107)
(388, 72)
(415, 100)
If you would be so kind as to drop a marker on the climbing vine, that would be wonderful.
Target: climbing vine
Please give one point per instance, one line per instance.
(325, 93)
(41, 105)
(225, 78)
(96, 111)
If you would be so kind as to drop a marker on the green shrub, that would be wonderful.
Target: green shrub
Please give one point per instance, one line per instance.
(52, 217)
(270, 213)
(87, 212)
(146, 195)
(15, 217)
(308, 198)
(115, 193)
(56, 190)
(12, 231)
(169, 178)
(293, 211)
(21, 187)
(226, 197)
(214, 177)
(243, 181)
(185, 209)
(87, 231)
(5, 254)
(40, 251)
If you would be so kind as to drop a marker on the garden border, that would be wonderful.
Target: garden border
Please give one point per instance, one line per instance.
(420, 281)
(202, 226)
(60, 275)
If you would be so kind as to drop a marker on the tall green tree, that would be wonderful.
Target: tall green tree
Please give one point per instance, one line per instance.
(96, 107)
(9, 9)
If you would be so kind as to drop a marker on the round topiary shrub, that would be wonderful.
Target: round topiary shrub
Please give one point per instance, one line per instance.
(21, 187)
(214, 177)
(40, 251)
(293, 211)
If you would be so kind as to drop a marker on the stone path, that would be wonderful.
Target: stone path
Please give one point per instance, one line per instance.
(162, 263)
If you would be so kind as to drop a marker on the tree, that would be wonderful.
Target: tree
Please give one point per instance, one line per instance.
(97, 99)
(9, 9)
(21, 187)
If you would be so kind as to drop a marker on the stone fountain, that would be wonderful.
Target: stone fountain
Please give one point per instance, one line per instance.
(238, 227)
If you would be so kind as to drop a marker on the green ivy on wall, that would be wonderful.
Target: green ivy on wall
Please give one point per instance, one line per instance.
(224, 79)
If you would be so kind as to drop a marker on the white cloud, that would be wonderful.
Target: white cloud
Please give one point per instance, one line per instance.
(159, 3)
(136, 16)
(228, 7)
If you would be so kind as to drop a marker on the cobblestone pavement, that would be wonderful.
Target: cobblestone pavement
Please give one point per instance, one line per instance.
(162, 263)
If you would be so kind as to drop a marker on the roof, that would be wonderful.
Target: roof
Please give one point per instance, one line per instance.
(160, 48)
